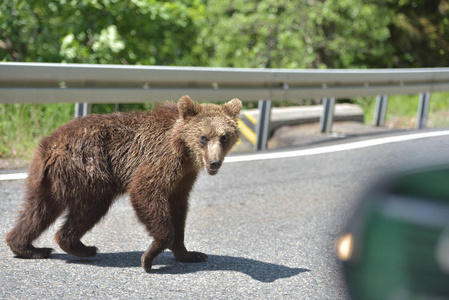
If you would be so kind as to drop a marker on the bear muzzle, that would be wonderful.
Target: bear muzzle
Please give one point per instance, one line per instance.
(213, 167)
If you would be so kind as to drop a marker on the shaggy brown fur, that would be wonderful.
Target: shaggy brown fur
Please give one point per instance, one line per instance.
(155, 157)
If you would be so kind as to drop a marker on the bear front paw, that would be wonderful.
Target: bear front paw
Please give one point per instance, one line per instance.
(147, 264)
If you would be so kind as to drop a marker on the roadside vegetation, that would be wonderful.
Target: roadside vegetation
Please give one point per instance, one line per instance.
(22, 125)
(402, 110)
(240, 33)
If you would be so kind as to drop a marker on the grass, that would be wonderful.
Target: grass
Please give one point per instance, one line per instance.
(23, 125)
(402, 110)
(439, 110)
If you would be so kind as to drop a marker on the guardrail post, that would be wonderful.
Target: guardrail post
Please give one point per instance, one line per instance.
(327, 115)
(423, 110)
(82, 109)
(263, 125)
(380, 110)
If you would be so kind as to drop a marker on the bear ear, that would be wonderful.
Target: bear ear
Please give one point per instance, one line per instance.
(232, 108)
(188, 108)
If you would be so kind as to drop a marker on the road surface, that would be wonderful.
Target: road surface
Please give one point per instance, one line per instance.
(268, 225)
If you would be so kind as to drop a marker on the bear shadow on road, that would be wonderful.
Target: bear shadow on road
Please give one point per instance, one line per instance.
(165, 263)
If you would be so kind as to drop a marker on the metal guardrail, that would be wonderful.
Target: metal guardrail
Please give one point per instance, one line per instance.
(49, 82)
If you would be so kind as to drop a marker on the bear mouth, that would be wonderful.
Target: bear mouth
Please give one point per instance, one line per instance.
(211, 172)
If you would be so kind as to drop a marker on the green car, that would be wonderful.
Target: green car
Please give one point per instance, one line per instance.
(397, 245)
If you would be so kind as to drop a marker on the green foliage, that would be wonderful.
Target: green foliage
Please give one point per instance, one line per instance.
(100, 31)
(298, 34)
(109, 108)
(439, 110)
(265, 33)
(328, 33)
(22, 125)
(419, 33)
(402, 110)
(236, 33)
(355, 34)
(398, 106)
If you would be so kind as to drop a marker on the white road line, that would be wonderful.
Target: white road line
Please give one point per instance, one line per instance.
(14, 176)
(335, 148)
(304, 152)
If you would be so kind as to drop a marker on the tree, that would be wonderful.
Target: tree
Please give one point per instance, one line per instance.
(267, 33)
(101, 31)
(237, 33)
(298, 33)
(353, 33)
(328, 33)
(419, 32)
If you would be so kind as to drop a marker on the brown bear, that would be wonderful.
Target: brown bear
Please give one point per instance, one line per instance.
(153, 156)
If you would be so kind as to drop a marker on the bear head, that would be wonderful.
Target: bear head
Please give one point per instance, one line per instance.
(209, 131)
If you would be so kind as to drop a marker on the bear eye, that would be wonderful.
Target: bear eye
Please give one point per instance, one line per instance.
(223, 139)
(203, 140)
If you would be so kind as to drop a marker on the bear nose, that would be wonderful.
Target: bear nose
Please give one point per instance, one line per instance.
(215, 164)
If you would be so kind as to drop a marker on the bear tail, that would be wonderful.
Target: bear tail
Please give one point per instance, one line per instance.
(39, 165)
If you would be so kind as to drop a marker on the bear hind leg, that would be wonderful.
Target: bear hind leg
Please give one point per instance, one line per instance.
(69, 241)
(40, 211)
(156, 248)
(79, 220)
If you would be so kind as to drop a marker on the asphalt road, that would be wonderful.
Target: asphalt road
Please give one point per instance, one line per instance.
(268, 226)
